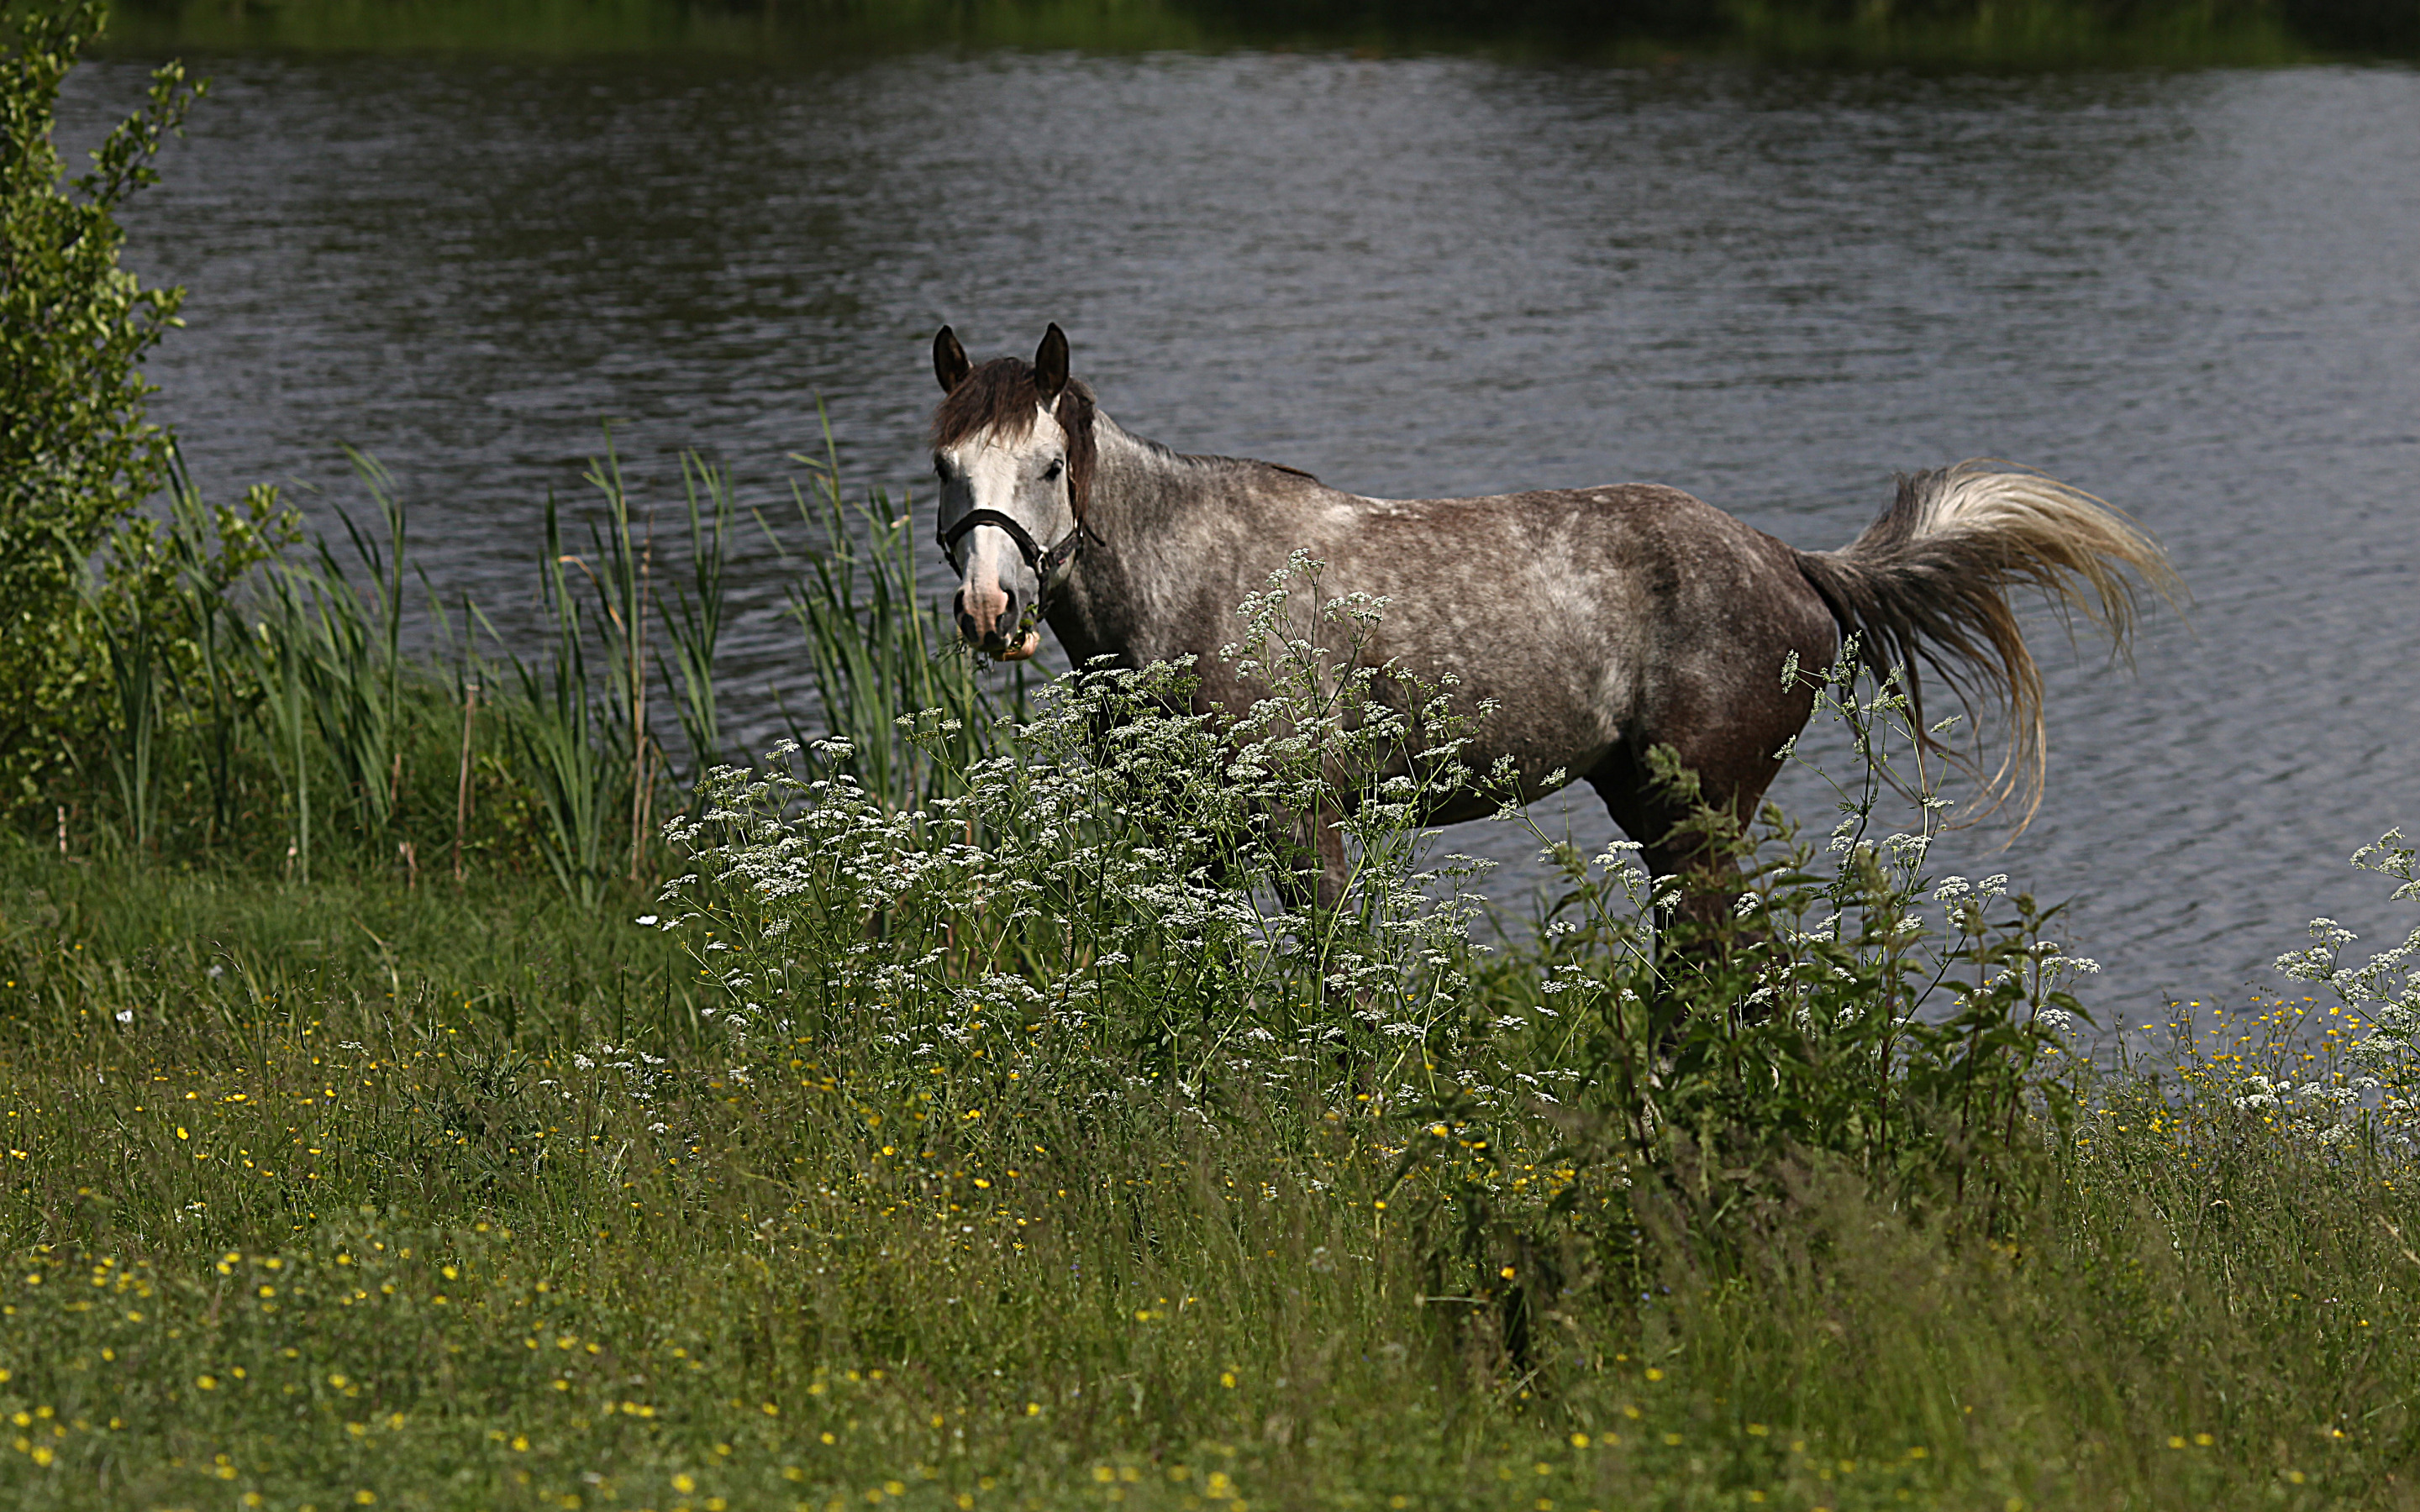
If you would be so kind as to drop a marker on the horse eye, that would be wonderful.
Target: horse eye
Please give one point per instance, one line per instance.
(1053, 470)
(940, 469)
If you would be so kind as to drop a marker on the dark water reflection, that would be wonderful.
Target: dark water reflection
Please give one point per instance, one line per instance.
(2197, 293)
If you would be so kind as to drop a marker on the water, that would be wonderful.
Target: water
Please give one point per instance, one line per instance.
(2197, 293)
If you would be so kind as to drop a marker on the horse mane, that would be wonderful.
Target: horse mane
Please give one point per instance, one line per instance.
(1002, 396)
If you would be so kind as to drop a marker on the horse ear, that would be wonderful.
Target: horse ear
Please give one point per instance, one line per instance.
(1051, 365)
(950, 363)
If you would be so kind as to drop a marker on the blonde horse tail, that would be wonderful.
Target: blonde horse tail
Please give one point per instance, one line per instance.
(1928, 581)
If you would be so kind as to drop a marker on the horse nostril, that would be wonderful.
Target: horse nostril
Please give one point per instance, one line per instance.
(1008, 607)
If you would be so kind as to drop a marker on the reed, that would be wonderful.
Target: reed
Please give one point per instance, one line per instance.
(362, 667)
(693, 620)
(469, 688)
(214, 699)
(620, 568)
(880, 652)
(289, 670)
(131, 737)
(560, 735)
(291, 684)
(283, 630)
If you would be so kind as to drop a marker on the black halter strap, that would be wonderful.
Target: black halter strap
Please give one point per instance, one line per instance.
(1049, 567)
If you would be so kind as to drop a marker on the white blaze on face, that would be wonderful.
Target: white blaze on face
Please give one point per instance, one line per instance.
(992, 563)
(996, 587)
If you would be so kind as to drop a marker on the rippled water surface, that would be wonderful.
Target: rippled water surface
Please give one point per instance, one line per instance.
(2195, 293)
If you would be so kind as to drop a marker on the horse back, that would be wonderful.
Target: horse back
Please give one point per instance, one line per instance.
(1588, 619)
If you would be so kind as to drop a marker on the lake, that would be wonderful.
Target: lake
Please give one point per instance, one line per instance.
(2194, 291)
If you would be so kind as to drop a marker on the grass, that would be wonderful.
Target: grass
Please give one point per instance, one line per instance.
(369, 1215)
(265, 711)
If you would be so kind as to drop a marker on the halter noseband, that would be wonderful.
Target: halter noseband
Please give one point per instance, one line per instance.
(1050, 569)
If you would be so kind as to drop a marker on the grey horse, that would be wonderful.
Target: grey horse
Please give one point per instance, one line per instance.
(1599, 622)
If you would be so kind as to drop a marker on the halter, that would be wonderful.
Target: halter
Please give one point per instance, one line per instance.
(1050, 569)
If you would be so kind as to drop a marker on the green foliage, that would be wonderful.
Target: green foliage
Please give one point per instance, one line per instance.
(76, 454)
(167, 610)
(1964, 33)
(1808, 1003)
(1803, 1020)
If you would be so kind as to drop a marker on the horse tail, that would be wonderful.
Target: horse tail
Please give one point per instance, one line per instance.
(1928, 581)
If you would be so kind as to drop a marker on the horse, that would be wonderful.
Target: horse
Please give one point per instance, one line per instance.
(1593, 626)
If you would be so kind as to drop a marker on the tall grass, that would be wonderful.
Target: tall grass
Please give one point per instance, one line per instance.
(131, 740)
(883, 655)
(278, 676)
(354, 653)
(693, 620)
(213, 692)
(561, 734)
(620, 566)
(328, 650)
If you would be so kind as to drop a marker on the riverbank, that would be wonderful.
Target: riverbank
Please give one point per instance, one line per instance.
(2028, 35)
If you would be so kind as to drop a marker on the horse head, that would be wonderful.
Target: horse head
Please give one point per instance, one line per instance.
(1013, 448)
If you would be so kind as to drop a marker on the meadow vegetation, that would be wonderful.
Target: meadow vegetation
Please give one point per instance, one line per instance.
(458, 1080)
(943, 1171)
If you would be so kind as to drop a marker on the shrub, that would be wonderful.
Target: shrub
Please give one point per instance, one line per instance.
(76, 454)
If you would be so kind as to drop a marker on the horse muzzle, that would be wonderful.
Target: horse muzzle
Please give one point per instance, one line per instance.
(988, 622)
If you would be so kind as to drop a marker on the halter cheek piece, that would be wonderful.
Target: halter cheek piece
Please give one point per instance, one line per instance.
(1050, 569)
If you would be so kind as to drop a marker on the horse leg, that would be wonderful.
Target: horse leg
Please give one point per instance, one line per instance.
(1659, 821)
(1677, 839)
(1316, 871)
(1328, 843)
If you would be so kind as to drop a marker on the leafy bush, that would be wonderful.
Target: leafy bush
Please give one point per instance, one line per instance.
(76, 454)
